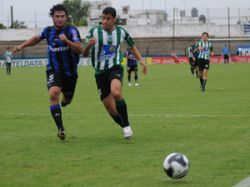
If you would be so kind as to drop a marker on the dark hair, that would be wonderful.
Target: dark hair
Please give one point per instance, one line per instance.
(58, 7)
(206, 33)
(109, 10)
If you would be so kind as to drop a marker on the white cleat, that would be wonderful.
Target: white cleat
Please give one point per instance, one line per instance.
(127, 132)
(129, 84)
(136, 84)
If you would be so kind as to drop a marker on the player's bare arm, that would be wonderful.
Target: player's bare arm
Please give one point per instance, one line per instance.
(76, 47)
(139, 57)
(32, 41)
(90, 44)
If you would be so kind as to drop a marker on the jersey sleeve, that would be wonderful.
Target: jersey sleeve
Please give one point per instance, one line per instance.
(75, 35)
(129, 41)
(42, 35)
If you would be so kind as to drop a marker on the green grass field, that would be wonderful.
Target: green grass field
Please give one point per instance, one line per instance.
(168, 113)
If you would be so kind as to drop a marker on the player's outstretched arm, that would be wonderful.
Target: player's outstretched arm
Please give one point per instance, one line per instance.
(88, 45)
(137, 54)
(32, 41)
(75, 46)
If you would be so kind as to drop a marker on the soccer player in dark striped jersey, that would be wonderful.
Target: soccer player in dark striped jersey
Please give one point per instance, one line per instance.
(104, 44)
(63, 57)
(132, 66)
(205, 49)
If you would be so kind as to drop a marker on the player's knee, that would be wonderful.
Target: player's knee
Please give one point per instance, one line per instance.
(117, 95)
(54, 95)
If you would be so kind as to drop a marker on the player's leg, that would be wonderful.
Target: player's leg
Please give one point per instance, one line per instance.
(68, 90)
(8, 68)
(136, 76)
(200, 70)
(129, 75)
(205, 75)
(121, 107)
(191, 66)
(54, 84)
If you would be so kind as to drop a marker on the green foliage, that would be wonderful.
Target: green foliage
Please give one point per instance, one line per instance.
(18, 25)
(168, 113)
(78, 11)
(2, 26)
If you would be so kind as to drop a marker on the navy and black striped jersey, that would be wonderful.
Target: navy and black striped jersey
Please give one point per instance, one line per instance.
(131, 62)
(61, 58)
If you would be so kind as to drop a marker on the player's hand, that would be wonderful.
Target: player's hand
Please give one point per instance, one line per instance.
(63, 38)
(145, 69)
(17, 48)
(92, 42)
(212, 53)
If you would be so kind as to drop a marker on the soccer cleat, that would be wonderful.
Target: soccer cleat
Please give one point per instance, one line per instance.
(136, 84)
(61, 134)
(129, 84)
(127, 132)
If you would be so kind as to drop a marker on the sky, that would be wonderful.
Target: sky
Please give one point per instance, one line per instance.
(35, 12)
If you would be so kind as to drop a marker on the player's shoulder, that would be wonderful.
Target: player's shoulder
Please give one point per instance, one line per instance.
(118, 27)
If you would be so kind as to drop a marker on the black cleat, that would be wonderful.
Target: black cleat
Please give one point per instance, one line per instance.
(61, 134)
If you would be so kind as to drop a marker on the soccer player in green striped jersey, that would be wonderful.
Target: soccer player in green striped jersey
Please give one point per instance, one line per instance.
(205, 49)
(104, 44)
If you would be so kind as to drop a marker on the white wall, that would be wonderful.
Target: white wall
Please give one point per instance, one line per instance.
(141, 31)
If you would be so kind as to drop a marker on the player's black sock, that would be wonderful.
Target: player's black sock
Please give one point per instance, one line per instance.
(204, 84)
(117, 119)
(192, 70)
(136, 76)
(122, 109)
(57, 115)
(129, 77)
(201, 81)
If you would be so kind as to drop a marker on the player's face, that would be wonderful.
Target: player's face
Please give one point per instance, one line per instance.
(204, 37)
(59, 19)
(108, 22)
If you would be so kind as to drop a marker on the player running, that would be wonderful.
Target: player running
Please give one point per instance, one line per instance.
(132, 66)
(104, 44)
(63, 56)
(205, 49)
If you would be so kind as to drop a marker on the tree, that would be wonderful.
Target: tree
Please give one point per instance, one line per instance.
(18, 25)
(2, 26)
(78, 11)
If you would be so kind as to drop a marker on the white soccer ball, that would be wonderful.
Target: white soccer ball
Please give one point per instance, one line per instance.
(176, 165)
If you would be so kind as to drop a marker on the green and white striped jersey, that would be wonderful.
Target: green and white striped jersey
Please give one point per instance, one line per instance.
(206, 49)
(189, 52)
(8, 57)
(107, 51)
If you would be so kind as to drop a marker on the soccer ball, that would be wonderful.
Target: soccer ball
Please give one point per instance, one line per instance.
(176, 165)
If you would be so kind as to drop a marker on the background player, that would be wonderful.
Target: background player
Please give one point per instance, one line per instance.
(205, 50)
(63, 58)
(104, 44)
(132, 66)
(8, 60)
(191, 59)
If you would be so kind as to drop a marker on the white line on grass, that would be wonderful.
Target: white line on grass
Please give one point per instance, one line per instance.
(133, 115)
(244, 183)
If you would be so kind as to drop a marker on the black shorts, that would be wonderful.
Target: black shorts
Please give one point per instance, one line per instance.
(203, 64)
(226, 57)
(132, 68)
(8, 65)
(66, 83)
(104, 79)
